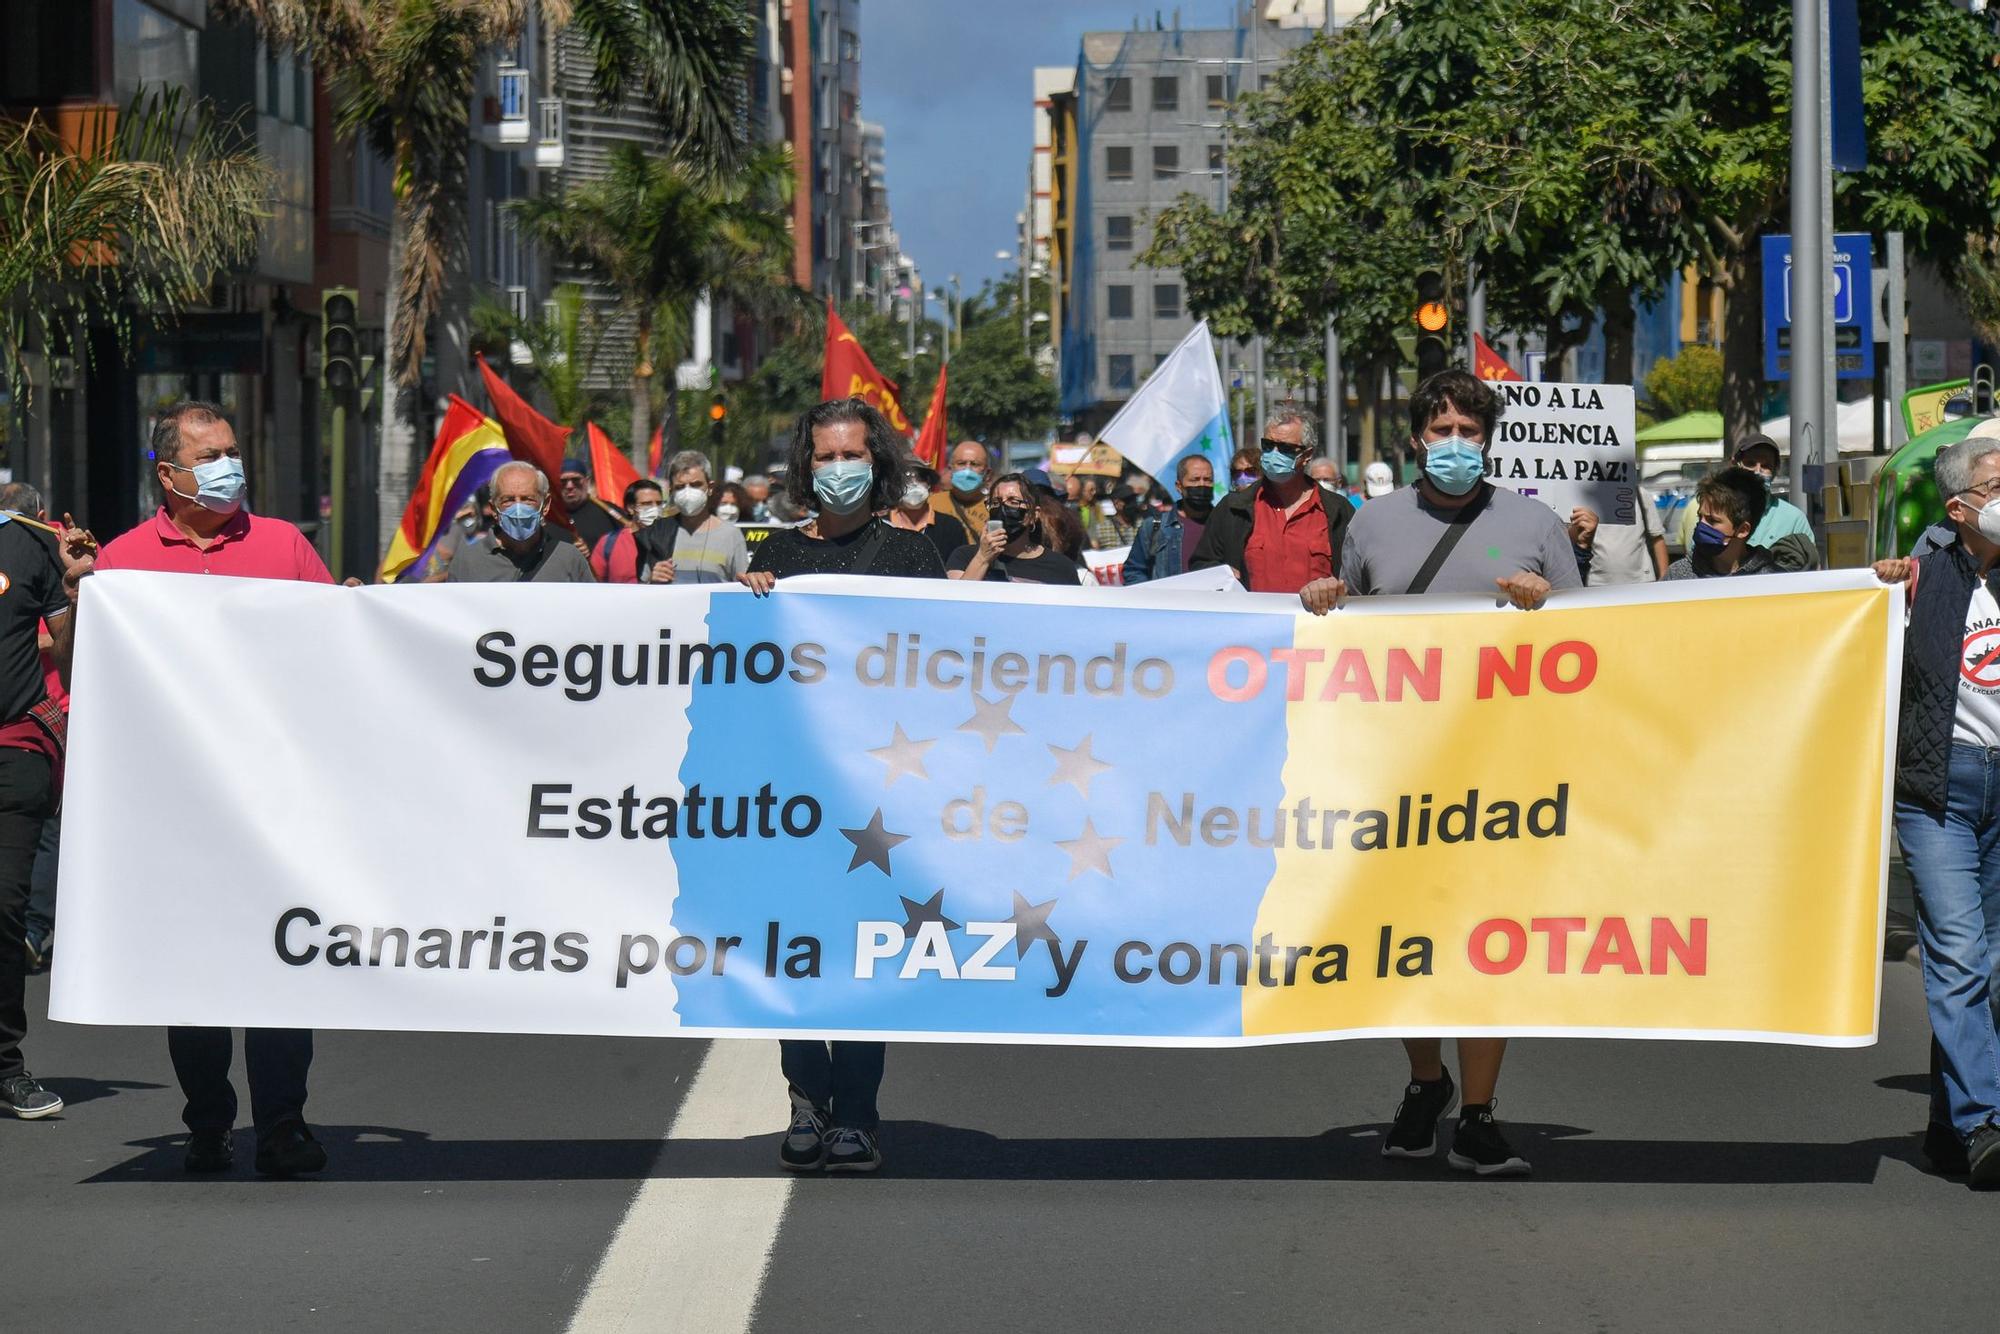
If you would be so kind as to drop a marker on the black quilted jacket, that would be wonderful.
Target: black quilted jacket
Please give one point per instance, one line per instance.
(1931, 649)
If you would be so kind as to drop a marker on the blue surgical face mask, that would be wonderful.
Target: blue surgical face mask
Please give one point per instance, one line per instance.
(1708, 535)
(1454, 464)
(843, 487)
(218, 484)
(967, 480)
(1277, 465)
(520, 520)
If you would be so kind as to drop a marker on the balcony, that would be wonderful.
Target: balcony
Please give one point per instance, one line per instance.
(517, 303)
(549, 147)
(507, 113)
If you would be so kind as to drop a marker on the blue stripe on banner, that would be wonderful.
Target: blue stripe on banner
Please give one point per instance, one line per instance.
(904, 767)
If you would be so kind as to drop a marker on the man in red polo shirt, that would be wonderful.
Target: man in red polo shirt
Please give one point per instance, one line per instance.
(1278, 536)
(202, 528)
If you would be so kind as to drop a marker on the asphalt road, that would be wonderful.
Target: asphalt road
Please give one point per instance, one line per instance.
(500, 1184)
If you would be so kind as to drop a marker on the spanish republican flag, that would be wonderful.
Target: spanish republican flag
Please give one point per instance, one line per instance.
(470, 448)
(931, 448)
(655, 452)
(610, 469)
(848, 373)
(1488, 364)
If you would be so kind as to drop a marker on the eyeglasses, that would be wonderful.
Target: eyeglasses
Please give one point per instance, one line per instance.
(1297, 450)
(1985, 492)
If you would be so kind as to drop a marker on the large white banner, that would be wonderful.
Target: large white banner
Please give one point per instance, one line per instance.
(974, 812)
(1568, 445)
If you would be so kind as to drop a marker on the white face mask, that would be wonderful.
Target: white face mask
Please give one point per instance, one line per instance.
(1989, 520)
(915, 496)
(727, 512)
(648, 515)
(691, 500)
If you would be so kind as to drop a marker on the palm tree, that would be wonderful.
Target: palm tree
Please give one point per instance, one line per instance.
(402, 73)
(662, 236)
(139, 210)
(562, 348)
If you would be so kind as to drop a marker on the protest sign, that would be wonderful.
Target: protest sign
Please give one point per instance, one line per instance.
(878, 808)
(1568, 445)
(1107, 568)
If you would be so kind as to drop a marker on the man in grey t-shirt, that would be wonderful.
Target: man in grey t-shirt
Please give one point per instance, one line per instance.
(523, 550)
(1504, 542)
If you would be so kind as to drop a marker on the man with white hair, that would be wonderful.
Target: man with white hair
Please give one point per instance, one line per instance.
(1277, 535)
(524, 550)
(1947, 810)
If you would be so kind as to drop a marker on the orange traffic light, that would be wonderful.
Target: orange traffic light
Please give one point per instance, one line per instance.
(1433, 317)
(716, 411)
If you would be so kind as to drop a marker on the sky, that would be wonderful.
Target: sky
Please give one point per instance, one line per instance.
(952, 84)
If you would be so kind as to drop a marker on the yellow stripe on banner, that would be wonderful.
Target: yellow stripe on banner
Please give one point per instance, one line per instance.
(1675, 827)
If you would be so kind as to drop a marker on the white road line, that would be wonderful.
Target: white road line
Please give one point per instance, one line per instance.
(691, 1254)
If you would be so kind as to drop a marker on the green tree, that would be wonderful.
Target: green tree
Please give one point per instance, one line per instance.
(661, 236)
(139, 210)
(1689, 382)
(401, 72)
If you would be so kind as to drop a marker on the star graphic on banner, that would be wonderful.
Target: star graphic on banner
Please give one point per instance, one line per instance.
(991, 720)
(1076, 767)
(1089, 851)
(872, 844)
(930, 910)
(903, 756)
(1031, 923)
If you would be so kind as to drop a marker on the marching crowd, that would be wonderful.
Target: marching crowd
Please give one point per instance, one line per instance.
(850, 500)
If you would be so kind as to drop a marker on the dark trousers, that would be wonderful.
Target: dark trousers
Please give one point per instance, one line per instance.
(841, 1078)
(42, 880)
(277, 1058)
(26, 795)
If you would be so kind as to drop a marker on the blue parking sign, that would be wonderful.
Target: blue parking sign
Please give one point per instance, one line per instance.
(1853, 307)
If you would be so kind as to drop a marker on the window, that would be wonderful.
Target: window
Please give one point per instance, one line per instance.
(1215, 157)
(1118, 162)
(1118, 232)
(1218, 90)
(1119, 365)
(1166, 161)
(1118, 301)
(1118, 94)
(1166, 301)
(1167, 93)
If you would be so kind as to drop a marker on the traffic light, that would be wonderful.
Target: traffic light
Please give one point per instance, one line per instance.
(1433, 321)
(718, 418)
(339, 350)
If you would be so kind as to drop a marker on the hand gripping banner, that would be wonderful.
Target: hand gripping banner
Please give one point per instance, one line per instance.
(924, 812)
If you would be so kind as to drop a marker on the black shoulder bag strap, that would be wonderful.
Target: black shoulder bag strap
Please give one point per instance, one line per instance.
(1454, 533)
(871, 547)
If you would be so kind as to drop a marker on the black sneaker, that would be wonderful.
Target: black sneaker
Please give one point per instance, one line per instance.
(290, 1151)
(208, 1151)
(1945, 1150)
(849, 1149)
(1415, 1133)
(1982, 1157)
(24, 1096)
(804, 1148)
(1480, 1147)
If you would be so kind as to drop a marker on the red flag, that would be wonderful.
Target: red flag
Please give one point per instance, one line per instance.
(655, 450)
(1488, 364)
(931, 447)
(848, 373)
(531, 437)
(611, 470)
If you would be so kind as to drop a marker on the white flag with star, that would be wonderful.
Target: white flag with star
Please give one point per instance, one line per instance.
(1180, 410)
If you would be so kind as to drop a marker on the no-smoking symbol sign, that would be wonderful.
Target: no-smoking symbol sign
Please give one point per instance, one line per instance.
(1981, 663)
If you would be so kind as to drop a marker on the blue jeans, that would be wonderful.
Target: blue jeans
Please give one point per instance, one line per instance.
(1954, 858)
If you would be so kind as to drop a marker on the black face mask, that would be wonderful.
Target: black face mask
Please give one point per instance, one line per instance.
(1014, 519)
(1199, 501)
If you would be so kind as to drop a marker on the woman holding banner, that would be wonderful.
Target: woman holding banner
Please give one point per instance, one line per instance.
(843, 463)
